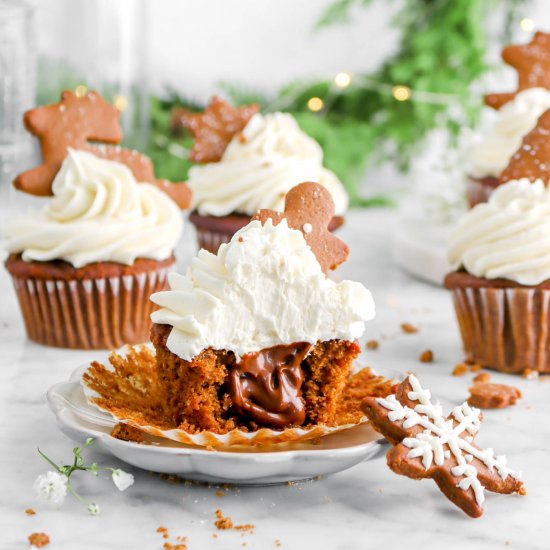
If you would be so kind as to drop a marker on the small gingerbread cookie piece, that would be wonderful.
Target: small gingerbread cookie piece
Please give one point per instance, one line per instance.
(532, 63)
(532, 159)
(74, 123)
(428, 445)
(309, 208)
(214, 128)
(486, 395)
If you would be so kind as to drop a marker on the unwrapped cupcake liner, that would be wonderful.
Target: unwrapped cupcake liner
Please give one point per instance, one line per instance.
(100, 313)
(203, 438)
(507, 329)
(479, 190)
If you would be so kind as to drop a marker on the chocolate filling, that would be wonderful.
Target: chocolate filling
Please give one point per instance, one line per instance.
(266, 385)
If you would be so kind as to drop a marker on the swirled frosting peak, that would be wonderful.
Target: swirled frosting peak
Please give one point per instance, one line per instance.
(508, 237)
(258, 168)
(264, 288)
(494, 148)
(98, 213)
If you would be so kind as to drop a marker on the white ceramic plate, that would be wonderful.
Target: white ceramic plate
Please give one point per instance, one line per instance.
(291, 462)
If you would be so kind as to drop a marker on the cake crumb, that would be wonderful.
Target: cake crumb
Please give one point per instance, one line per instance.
(125, 432)
(39, 540)
(222, 523)
(530, 374)
(30, 512)
(426, 356)
(407, 328)
(460, 369)
(476, 367)
(372, 344)
(163, 531)
(220, 494)
(482, 377)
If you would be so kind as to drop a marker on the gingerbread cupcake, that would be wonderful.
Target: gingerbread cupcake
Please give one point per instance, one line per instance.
(501, 286)
(85, 264)
(515, 115)
(257, 335)
(249, 161)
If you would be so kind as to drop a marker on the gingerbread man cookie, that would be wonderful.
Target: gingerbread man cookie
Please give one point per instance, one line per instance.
(214, 128)
(73, 123)
(309, 208)
(532, 159)
(429, 445)
(532, 63)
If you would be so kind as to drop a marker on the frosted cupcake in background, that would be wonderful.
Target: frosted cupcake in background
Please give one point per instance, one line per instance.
(492, 150)
(85, 264)
(501, 286)
(516, 114)
(250, 162)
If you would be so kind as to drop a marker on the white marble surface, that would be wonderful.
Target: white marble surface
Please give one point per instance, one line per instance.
(364, 507)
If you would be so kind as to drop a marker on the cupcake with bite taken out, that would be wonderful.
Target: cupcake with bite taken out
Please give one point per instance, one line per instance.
(85, 264)
(249, 161)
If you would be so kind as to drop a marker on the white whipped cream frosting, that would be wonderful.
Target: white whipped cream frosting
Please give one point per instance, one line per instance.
(263, 288)
(507, 237)
(258, 168)
(98, 213)
(492, 150)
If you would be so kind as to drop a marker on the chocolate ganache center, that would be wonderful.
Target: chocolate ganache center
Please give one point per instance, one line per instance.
(266, 385)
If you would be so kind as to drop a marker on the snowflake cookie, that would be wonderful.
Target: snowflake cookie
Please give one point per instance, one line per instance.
(430, 445)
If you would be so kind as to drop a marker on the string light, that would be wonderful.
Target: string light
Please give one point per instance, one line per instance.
(120, 102)
(80, 90)
(342, 80)
(401, 93)
(527, 24)
(315, 104)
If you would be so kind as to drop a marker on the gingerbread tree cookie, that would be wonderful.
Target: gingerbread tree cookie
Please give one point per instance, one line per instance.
(74, 122)
(532, 159)
(532, 63)
(429, 445)
(309, 208)
(215, 127)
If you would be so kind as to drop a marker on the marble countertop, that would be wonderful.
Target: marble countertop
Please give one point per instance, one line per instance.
(365, 507)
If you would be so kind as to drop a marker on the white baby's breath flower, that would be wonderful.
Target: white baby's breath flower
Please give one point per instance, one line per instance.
(93, 508)
(51, 486)
(122, 479)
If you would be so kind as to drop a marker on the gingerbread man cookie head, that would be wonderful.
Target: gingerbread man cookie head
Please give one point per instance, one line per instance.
(309, 207)
(532, 63)
(532, 159)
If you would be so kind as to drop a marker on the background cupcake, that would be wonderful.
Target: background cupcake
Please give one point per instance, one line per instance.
(494, 148)
(84, 266)
(501, 288)
(263, 159)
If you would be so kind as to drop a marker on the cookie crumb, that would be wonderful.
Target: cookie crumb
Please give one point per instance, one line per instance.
(476, 367)
(222, 523)
(530, 374)
(460, 369)
(427, 356)
(220, 494)
(407, 328)
(372, 344)
(482, 377)
(163, 531)
(39, 540)
(30, 512)
(485, 395)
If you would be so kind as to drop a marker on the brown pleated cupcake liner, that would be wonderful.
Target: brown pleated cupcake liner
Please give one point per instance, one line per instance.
(211, 240)
(101, 313)
(479, 190)
(507, 329)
